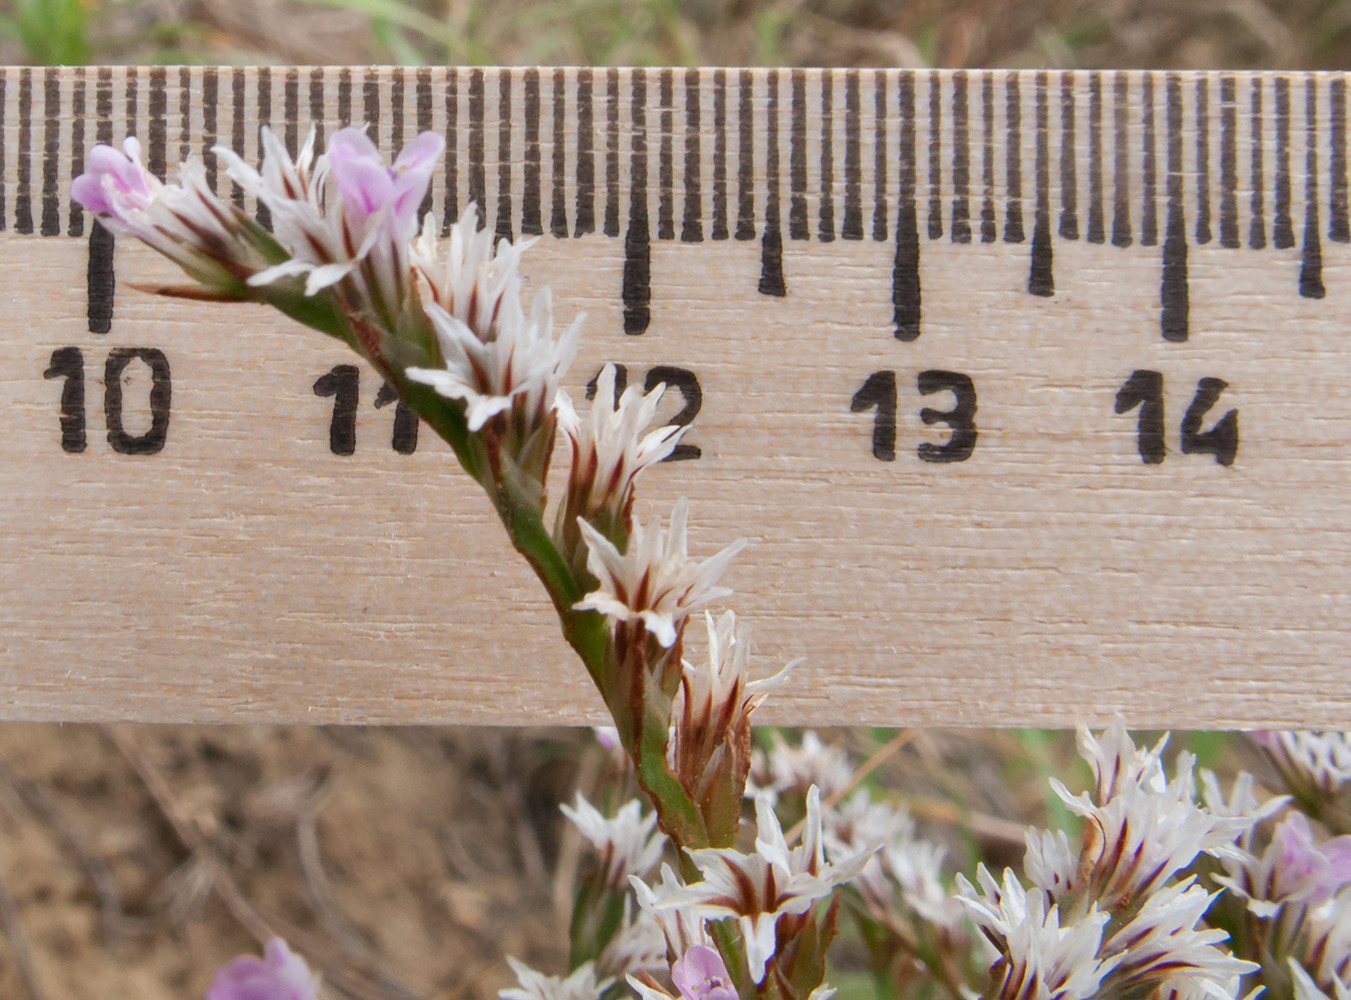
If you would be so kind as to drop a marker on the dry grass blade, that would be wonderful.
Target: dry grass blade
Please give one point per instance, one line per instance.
(40, 802)
(12, 922)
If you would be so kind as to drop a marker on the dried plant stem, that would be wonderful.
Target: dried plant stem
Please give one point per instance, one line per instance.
(43, 806)
(12, 922)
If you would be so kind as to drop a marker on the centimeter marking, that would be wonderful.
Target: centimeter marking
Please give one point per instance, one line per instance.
(1252, 161)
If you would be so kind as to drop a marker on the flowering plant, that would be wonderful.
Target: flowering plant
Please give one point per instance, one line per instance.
(1167, 893)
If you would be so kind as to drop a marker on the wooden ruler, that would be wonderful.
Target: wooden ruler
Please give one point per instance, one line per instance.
(1030, 390)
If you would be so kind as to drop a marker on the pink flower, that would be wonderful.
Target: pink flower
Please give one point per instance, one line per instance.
(1305, 870)
(367, 186)
(279, 975)
(116, 182)
(700, 974)
(185, 221)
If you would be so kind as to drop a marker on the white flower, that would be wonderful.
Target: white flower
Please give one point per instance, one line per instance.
(711, 731)
(520, 365)
(1317, 760)
(1328, 952)
(581, 985)
(478, 280)
(916, 867)
(628, 842)
(609, 448)
(683, 928)
(1163, 944)
(1041, 959)
(497, 359)
(1307, 989)
(1143, 828)
(639, 944)
(812, 762)
(1117, 763)
(903, 861)
(996, 908)
(756, 889)
(718, 691)
(654, 581)
(1050, 862)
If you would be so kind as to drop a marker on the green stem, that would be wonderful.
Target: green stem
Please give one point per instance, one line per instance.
(676, 811)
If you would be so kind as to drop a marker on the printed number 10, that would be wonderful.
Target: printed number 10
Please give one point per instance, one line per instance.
(68, 363)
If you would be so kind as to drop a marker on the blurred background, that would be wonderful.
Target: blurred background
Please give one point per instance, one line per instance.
(407, 863)
(1202, 34)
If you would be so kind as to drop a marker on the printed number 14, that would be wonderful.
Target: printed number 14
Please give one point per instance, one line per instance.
(1145, 389)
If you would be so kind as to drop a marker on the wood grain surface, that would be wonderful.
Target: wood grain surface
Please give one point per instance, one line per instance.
(1059, 286)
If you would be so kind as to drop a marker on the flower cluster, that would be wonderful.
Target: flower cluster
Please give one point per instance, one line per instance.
(1117, 916)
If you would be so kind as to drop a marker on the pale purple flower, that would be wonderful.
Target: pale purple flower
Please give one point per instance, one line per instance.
(368, 187)
(1293, 870)
(757, 889)
(701, 974)
(628, 843)
(186, 222)
(116, 183)
(279, 975)
(654, 581)
(580, 985)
